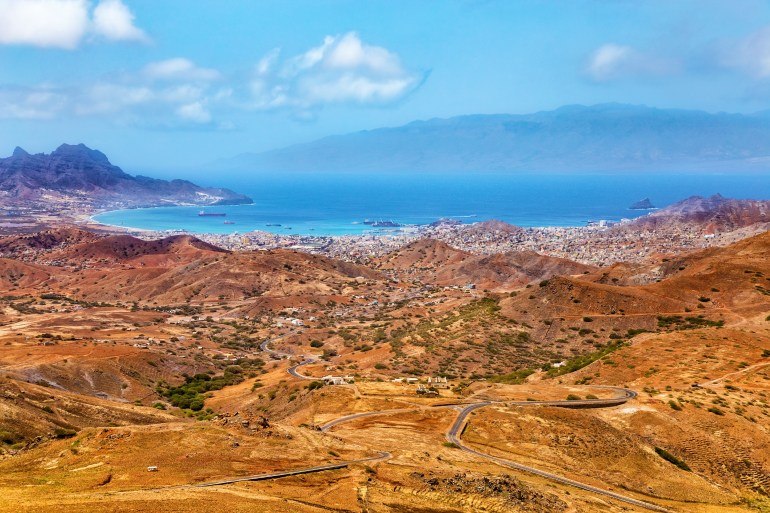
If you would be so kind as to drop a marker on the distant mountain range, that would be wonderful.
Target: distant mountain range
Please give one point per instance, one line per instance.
(80, 173)
(605, 137)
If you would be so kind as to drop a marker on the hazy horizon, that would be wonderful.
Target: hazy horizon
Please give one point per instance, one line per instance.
(172, 85)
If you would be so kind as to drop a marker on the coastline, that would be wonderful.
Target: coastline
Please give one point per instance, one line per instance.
(600, 243)
(328, 228)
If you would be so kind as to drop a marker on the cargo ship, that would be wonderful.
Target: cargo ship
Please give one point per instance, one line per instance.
(203, 213)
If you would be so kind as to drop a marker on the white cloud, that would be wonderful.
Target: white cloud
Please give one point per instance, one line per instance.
(750, 55)
(350, 53)
(178, 93)
(341, 69)
(613, 61)
(44, 23)
(110, 98)
(195, 112)
(179, 69)
(267, 62)
(175, 101)
(38, 103)
(347, 87)
(65, 23)
(114, 21)
(607, 60)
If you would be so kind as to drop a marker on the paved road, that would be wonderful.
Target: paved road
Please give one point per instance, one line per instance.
(296, 472)
(455, 432)
(348, 418)
(293, 370)
(624, 395)
(263, 345)
(308, 359)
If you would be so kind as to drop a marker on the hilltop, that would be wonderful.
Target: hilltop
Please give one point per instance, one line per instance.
(571, 138)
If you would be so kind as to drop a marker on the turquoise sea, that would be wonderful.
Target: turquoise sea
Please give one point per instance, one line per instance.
(337, 204)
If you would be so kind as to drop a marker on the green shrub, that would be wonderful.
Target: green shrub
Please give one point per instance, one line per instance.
(672, 459)
(314, 385)
(64, 432)
(513, 378)
(7, 437)
(191, 394)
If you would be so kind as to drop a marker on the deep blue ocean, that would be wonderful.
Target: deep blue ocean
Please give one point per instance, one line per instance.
(337, 204)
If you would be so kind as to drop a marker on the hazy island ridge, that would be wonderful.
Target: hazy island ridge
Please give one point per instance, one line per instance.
(605, 137)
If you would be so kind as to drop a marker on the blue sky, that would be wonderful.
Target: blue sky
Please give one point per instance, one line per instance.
(165, 85)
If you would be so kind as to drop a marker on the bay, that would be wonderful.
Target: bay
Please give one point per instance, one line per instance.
(339, 203)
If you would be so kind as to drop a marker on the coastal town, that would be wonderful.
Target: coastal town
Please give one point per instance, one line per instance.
(596, 244)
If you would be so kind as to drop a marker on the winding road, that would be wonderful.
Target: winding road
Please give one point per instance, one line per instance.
(307, 359)
(454, 434)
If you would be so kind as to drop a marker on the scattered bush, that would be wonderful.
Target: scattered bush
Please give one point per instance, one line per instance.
(672, 459)
(64, 432)
(314, 385)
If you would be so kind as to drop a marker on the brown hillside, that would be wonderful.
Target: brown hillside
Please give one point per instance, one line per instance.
(435, 262)
(711, 214)
(422, 254)
(29, 411)
(203, 275)
(20, 245)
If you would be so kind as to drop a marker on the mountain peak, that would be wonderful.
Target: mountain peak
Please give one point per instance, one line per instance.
(80, 150)
(77, 169)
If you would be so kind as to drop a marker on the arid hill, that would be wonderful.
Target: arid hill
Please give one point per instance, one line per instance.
(713, 214)
(120, 354)
(30, 245)
(435, 262)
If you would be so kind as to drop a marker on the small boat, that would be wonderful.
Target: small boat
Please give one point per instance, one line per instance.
(228, 222)
(273, 224)
(203, 213)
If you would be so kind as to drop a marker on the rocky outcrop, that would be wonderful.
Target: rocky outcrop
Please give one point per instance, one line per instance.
(644, 204)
